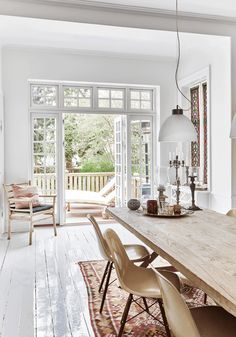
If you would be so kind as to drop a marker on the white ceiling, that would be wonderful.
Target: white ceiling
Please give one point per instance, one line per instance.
(88, 38)
(206, 7)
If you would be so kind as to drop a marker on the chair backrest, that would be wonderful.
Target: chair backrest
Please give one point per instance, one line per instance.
(231, 212)
(120, 258)
(103, 247)
(8, 188)
(108, 187)
(178, 315)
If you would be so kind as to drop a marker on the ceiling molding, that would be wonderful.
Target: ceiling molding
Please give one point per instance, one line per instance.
(92, 53)
(127, 9)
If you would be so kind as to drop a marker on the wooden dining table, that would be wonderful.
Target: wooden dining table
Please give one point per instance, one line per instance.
(202, 246)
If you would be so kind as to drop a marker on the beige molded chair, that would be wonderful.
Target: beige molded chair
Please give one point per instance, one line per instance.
(137, 281)
(31, 214)
(207, 321)
(137, 253)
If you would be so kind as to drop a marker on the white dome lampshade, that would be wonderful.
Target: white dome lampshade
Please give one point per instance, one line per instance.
(177, 128)
(233, 128)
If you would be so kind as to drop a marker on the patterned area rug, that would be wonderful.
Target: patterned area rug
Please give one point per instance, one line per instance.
(107, 324)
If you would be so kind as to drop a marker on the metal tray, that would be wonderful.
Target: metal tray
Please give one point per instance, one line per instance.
(183, 213)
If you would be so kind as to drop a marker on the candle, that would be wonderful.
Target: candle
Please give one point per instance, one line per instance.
(187, 161)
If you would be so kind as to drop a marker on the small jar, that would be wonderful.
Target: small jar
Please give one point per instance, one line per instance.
(152, 207)
(177, 209)
(170, 210)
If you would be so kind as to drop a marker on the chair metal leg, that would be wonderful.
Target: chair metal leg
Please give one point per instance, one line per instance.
(106, 287)
(9, 229)
(125, 314)
(54, 224)
(145, 304)
(164, 317)
(104, 276)
(149, 260)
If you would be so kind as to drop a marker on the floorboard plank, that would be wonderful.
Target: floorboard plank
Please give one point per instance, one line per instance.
(42, 288)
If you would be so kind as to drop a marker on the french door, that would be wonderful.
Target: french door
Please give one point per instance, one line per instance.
(134, 158)
(45, 152)
(140, 157)
(120, 159)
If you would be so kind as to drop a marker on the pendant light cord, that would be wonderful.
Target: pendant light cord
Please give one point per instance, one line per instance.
(179, 55)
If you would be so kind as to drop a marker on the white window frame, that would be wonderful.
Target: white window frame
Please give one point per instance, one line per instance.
(59, 110)
(52, 114)
(197, 79)
(110, 99)
(152, 120)
(94, 98)
(153, 102)
(79, 87)
(43, 107)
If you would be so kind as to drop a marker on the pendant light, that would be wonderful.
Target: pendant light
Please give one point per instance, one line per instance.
(177, 127)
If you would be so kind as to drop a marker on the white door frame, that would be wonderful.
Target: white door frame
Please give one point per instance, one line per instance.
(60, 185)
(152, 119)
(57, 116)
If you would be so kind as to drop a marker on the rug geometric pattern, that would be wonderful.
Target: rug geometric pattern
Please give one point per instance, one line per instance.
(107, 324)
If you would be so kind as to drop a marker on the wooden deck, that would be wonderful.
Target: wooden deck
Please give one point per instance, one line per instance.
(42, 290)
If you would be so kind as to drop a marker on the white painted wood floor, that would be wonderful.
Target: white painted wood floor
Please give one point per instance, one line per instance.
(42, 292)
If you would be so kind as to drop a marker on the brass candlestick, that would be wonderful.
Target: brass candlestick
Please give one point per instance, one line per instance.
(177, 191)
(192, 187)
(176, 163)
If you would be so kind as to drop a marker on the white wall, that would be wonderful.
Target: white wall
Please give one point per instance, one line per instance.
(1, 145)
(216, 52)
(138, 19)
(19, 65)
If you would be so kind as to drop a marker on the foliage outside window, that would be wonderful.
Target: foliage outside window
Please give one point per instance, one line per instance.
(44, 95)
(44, 152)
(89, 142)
(91, 97)
(77, 97)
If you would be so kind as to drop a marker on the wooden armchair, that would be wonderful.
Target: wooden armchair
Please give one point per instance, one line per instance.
(30, 214)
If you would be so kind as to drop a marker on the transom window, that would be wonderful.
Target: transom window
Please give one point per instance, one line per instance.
(94, 97)
(110, 98)
(141, 99)
(77, 97)
(44, 95)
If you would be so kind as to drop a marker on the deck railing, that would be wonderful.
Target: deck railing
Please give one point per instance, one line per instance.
(93, 182)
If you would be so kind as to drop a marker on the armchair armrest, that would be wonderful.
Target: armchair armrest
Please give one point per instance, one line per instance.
(29, 200)
(50, 196)
(47, 196)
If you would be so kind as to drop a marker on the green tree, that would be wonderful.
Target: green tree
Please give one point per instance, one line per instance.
(89, 139)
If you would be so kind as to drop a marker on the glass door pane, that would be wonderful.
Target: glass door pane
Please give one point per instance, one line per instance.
(119, 160)
(140, 158)
(45, 154)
